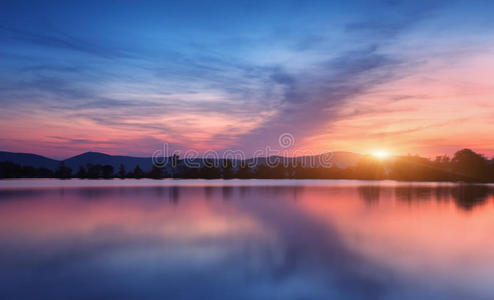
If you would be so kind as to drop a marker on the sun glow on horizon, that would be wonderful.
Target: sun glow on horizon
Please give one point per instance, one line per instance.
(380, 154)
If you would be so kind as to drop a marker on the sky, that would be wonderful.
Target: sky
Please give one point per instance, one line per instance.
(127, 77)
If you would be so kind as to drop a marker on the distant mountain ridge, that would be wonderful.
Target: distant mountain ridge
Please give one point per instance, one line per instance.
(96, 158)
(339, 159)
(28, 159)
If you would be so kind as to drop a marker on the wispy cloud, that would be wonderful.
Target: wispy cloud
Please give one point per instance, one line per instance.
(214, 83)
(63, 41)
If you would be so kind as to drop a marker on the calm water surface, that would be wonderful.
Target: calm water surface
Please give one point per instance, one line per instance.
(253, 239)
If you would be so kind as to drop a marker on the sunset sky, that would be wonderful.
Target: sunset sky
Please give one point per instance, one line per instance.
(125, 77)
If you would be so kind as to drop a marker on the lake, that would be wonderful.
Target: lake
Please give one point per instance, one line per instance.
(245, 239)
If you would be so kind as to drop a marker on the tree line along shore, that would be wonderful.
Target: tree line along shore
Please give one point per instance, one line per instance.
(466, 165)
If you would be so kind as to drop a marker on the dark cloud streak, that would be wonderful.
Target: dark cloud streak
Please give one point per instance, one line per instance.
(63, 41)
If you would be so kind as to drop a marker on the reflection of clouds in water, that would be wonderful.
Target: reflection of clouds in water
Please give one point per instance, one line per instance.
(295, 255)
(189, 243)
(305, 246)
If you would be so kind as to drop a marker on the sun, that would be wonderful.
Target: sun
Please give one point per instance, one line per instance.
(380, 154)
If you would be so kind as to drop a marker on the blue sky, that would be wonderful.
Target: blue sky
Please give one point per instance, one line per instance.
(125, 77)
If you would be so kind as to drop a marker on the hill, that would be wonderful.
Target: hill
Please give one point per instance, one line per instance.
(27, 159)
(340, 159)
(96, 158)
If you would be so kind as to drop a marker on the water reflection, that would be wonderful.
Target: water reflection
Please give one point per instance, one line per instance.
(370, 193)
(247, 242)
(465, 196)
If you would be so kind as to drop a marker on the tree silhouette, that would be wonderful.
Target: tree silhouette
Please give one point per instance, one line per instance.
(107, 171)
(210, 170)
(175, 166)
(138, 173)
(370, 168)
(466, 165)
(155, 172)
(244, 172)
(121, 171)
(93, 171)
(228, 171)
(81, 173)
(470, 166)
(63, 172)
